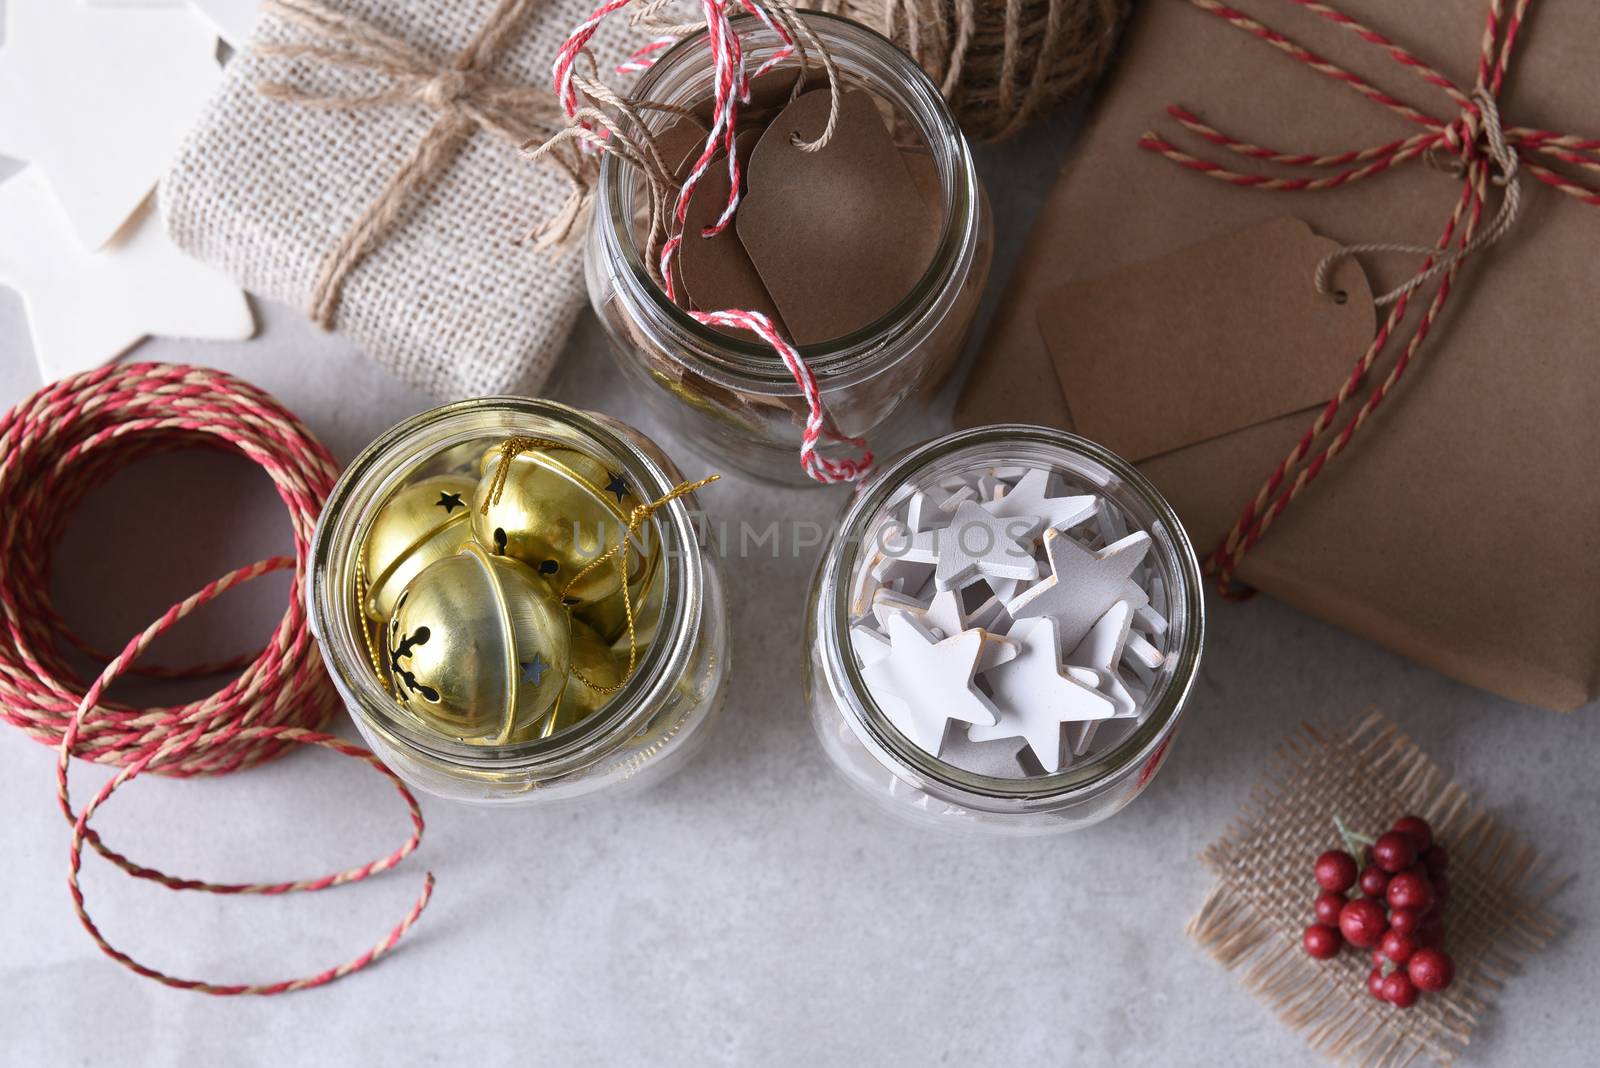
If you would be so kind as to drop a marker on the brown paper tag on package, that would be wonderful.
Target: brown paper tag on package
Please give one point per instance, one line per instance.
(839, 235)
(1213, 338)
(1395, 540)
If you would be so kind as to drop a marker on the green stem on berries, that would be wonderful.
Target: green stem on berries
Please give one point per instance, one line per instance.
(1352, 841)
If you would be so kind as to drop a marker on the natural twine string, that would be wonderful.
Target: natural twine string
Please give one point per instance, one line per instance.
(1487, 152)
(56, 445)
(1000, 63)
(465, 96)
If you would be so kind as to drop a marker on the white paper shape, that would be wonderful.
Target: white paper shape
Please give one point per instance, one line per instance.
(1029, 498)
(234, 20)
(1082, 584)
(85, 308)
(1100, 652)
(1035, 696)
(99, 99)
(924, 683)
(976, 544)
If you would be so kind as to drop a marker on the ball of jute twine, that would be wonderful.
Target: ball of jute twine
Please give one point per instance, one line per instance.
(56, 445)
(1000, 63)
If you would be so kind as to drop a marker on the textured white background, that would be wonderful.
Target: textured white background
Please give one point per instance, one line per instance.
(750, 910)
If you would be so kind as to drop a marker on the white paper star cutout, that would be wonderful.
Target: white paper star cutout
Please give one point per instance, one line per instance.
(1100, 652)
(85, 308)
(977, 543)
(1035, 697)
(1028, 498)
(944, 617)
(99, 99)
(233, 19)
(1082, 584)
(923, 683)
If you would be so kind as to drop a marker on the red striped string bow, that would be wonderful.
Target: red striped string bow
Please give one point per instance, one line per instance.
(1487, 151)
(596, 131)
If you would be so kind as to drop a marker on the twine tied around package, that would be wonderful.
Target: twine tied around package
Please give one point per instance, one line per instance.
(54, 447)
(513, 447)
(595, 118)
(465, 96)
(1475, 141)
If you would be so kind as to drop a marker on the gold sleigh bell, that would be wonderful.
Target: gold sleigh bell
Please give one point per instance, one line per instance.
(479, 647)
(422, 523)
(557, 510)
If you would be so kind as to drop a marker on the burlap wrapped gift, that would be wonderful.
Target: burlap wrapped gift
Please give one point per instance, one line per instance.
(377, 160)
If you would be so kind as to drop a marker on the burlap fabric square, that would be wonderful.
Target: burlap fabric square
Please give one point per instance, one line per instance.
(1371, 775)
(441, 289)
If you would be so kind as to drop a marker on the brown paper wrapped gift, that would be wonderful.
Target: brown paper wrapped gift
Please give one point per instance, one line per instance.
(388, 156)
(1462, 525)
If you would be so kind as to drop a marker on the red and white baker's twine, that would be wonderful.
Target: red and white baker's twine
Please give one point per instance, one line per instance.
(53, 447)
(730, 88)
(1474, 136)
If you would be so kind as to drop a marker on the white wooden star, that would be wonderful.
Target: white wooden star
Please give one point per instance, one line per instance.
(1035, 696)
(977, 543)
(234, 20)
(85, 308)
(99, 99)
(1082, 584)
(1029, 498)
(1100, 652)
(923, 683)
(870, 646)
(944, 617)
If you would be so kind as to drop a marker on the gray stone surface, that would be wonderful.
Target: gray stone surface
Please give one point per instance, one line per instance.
(750, 910)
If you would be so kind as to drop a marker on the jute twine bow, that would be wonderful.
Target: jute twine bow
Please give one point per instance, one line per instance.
(513, 447)
(54, 447)
(466, 97)
(1480, 145)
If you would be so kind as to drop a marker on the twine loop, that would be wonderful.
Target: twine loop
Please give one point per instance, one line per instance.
(56, 445)
(1486, 152)
(1481, 123)
(443, 90)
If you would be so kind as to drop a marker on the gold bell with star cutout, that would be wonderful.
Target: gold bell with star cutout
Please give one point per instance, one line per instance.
(424, 522)
(478, 647)
(557, 509)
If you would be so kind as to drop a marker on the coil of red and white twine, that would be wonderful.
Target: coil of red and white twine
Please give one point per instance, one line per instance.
(53, 447)
(1486, 149)
(730, 89)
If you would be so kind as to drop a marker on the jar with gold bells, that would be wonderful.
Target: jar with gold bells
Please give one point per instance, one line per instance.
(512, 599)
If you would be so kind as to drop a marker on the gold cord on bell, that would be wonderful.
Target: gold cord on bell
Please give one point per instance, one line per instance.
(509, 450)
(619, 553)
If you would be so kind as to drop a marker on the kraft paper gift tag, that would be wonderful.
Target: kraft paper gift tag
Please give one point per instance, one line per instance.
(839, 235)
(1219, 336)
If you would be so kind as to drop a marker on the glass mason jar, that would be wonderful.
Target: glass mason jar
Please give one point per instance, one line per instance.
(874, 755)
(731, 399)
(646, 730)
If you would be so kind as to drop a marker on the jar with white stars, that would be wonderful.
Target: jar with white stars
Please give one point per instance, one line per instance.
(480, 655)
(1003, 632)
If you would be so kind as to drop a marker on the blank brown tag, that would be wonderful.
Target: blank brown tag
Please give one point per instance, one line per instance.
(715, 270)
(839, 235)
(1208, 340)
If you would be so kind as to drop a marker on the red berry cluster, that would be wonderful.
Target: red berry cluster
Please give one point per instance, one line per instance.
(1396, 914)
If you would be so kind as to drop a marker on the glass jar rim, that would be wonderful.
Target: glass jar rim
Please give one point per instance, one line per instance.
(381, 467)
(919, 768)
(840, 358)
